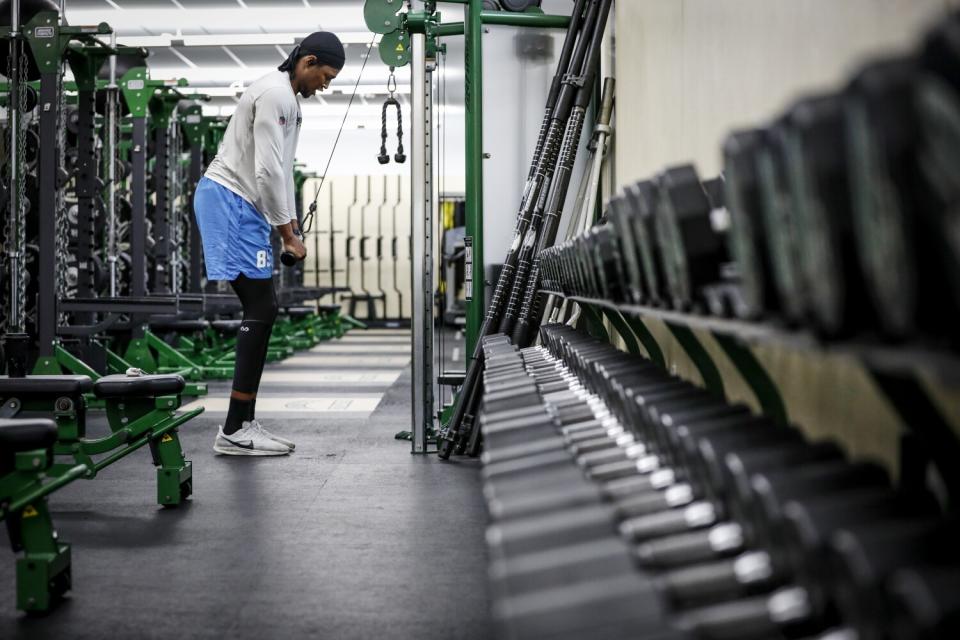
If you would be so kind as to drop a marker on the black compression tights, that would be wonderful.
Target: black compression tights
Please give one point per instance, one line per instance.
(259, 300)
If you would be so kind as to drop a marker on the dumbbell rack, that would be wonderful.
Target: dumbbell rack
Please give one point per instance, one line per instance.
(896, 369)
(629, 503)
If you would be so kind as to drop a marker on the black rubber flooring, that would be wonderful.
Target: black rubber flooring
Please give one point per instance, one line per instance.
(350, 537)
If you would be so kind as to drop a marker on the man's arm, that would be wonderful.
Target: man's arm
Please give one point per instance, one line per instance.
(292, 240)
(268, 138)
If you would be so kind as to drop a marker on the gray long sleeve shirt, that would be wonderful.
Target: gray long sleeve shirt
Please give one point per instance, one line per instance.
(255, 159)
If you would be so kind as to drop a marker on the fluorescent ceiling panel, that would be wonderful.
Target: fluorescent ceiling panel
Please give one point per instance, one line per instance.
(336, 17)
(225, 75)
(232, 39)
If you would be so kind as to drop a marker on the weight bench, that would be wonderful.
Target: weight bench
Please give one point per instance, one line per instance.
(226, 328)
(152, 353)
(296, 325)
(140, 411)
(328, 323)
(300, 312)
(217, 356)
(452, 379)
(26, 455)
(173, 324)
(370, 299)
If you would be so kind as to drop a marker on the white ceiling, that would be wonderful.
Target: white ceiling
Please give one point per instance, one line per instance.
(222, 45)
(219, 46)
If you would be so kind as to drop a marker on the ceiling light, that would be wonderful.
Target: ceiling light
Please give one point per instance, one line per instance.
(145, 41)
(335, 16)
(239, 40)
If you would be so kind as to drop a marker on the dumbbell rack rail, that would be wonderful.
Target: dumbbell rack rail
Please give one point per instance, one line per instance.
(893, 358)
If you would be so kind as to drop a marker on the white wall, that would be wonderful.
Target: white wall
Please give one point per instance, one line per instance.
(352, 207)
(692, 70)
(689, 71)
(514, 96)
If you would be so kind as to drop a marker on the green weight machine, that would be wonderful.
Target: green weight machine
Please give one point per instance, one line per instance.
(37, 460)
(26, 457)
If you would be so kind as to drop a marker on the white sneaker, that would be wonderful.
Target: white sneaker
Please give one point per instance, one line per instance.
(288, 444)
(248, 441)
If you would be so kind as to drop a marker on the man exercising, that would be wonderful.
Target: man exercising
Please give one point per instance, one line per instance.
(247, 189)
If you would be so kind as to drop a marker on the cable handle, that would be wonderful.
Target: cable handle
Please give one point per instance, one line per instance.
(287, 258)
(384, 157)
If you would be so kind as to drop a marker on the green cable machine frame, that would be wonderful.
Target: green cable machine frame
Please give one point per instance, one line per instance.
(398, 30)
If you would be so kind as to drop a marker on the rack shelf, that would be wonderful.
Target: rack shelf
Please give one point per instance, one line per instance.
(892, 358)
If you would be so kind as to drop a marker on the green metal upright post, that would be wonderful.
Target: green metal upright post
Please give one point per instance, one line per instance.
(473, 33)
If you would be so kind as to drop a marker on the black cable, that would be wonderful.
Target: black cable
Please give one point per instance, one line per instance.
(356, 86)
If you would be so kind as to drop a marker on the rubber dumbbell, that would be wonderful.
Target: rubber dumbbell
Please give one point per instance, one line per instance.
(820, 187)
(621, 220)
(642, 199)
(691, 250)
(889, 194)
(747, 239)
(704, 475)
(760, 567)
(808, 522)
(938, 103)
(862, 557)
(923, 603)
(614, 607)
(794, 609)
(713, 504)
(781, 224)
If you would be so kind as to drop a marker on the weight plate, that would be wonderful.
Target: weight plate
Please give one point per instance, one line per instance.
(747, 239)
(607, 264)
(881, 135)
(621, 215)
(938, 104)
(820, 186)
(642, 199)
(780, 224)
(692, 252)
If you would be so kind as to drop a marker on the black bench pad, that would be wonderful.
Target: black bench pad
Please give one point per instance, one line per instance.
(26, 434)
(329, 308)
(145, 386)
(452, 378)
(178, 324)
(300, 312)
(226, 326)
(45, 386)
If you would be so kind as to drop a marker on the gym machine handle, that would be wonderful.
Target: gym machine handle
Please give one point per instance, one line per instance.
(363, 247)
(287, 258)
(379, 247)
(384, 157)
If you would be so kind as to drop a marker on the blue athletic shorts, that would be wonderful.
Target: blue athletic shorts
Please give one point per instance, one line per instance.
(236, 237)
